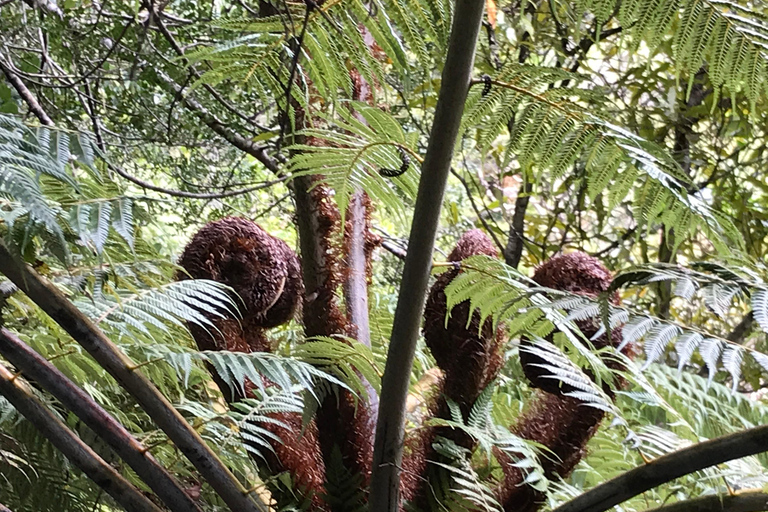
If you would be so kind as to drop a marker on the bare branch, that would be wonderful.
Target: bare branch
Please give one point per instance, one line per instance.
(80, 454)
(106, 353)
(237, 140)
(25, 94)
(49, 378)
(667, 468)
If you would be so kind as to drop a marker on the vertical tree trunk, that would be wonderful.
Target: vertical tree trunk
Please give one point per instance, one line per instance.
(388, 448)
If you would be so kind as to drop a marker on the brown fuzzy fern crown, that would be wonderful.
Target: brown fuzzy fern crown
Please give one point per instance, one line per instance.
(261, 269)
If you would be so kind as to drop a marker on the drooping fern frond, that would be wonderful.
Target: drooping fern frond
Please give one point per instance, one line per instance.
(238, 368)
(464, 490)
(250, 415)
(500, 292)
(345, 358)
(171, 304)
(552, 131)
(39, 190)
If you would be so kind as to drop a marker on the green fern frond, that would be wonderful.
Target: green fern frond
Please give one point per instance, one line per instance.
(552, 131)
(349, 360)
(252, 413)
(349, 162)
(172, 304)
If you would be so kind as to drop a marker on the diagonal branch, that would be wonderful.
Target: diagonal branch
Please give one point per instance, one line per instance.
(49, 378)
(26, 94)
(109, 356)
(79, 453)
(226, 133)
(667, 468)
(388, 448)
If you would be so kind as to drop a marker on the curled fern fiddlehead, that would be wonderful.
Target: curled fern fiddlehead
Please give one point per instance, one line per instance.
(394, 173)
(486, 85)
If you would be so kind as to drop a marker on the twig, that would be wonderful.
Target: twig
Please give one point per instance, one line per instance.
(80, 454)
(388, 447)
(117, 364)
(48, 377)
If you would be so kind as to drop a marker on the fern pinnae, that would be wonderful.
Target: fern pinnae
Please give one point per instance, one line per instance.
(759, 302)
(685, 346)
(657, 340)
(710, 350)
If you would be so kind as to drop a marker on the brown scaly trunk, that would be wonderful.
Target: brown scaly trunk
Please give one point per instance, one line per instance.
(560, 423)
(264, 272)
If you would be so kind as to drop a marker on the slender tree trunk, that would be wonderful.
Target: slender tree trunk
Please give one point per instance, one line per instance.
(388, 447)
(136, 455)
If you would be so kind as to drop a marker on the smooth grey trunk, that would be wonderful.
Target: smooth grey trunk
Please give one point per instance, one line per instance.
(35, 367)
(388, 446)
(80, 454)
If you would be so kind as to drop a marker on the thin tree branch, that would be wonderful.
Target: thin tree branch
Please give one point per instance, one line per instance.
(388, 447)
(237, 140)
(193, 195)
(747, 501)
(669, 467)
(35, 367)
(743, 328)
(25, 94)
(180, 52)
(514, 249)
(393, 249)
(106, 353)
(80, 454)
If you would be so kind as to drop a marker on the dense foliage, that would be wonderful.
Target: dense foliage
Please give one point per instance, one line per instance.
(631, 131)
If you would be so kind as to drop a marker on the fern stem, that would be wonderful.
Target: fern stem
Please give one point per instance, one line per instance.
(669, 467)
(48, 377)
(79, 453)
(106, 353)
(388, 447)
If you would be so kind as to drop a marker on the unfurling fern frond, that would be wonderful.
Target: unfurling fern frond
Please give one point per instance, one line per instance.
(349, 162)
(552, 131)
